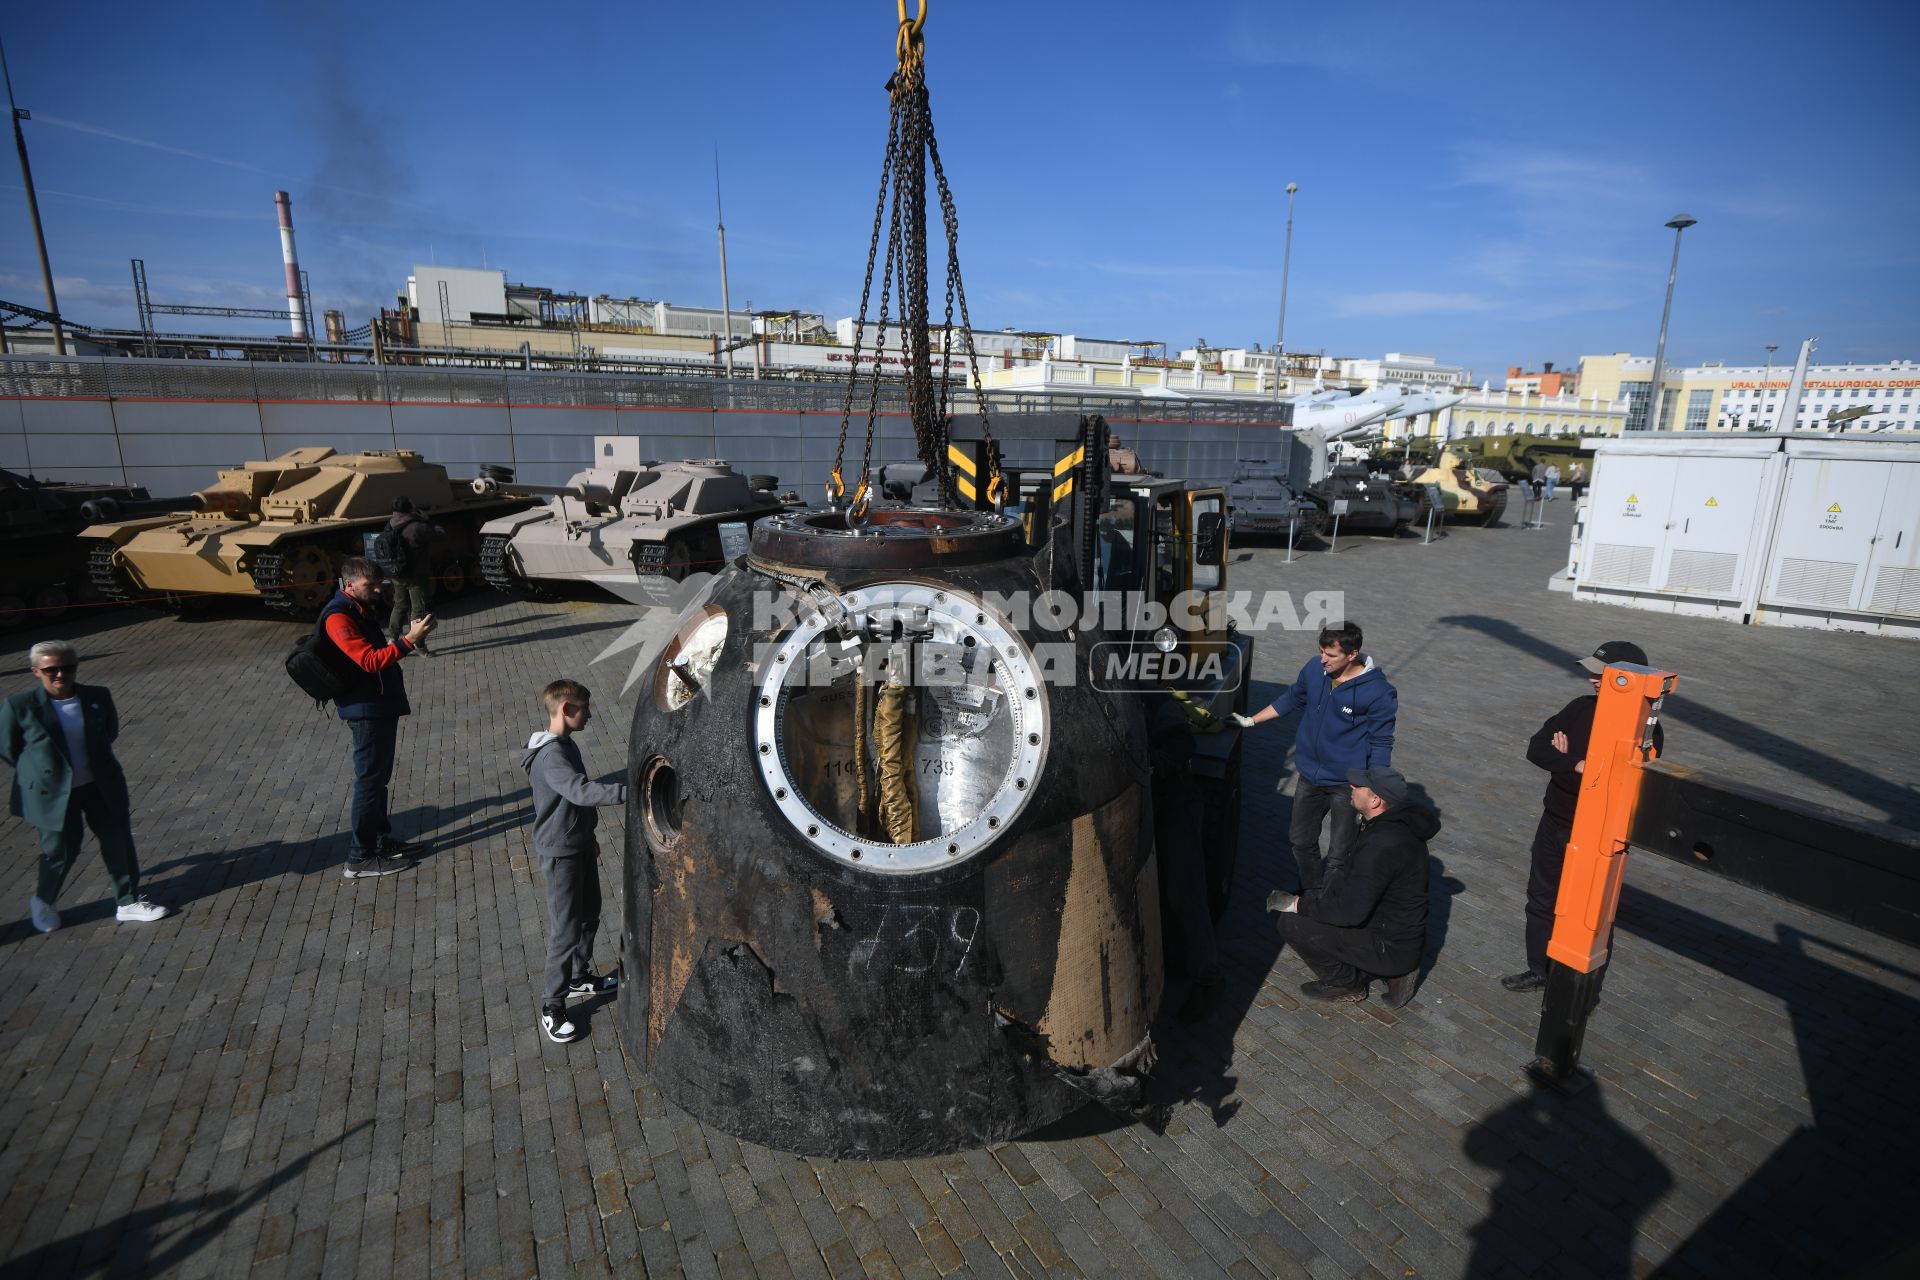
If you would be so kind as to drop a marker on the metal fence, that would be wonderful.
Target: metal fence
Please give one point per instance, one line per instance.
(115, 378)
(169, 423)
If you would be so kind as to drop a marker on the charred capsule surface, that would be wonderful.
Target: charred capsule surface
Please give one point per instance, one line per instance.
(889, 874)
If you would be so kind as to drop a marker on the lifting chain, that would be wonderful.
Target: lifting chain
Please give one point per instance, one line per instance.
(903, 170)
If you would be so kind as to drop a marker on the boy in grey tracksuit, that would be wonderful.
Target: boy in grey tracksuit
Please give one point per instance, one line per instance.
(564, 799)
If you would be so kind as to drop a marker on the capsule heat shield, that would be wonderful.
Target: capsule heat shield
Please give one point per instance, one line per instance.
(890, 886)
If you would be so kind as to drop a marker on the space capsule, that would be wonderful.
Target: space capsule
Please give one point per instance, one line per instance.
(890, 882)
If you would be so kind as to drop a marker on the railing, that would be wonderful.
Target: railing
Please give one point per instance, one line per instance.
(117, 378)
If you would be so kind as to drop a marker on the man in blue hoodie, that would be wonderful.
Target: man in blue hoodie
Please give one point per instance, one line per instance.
(1349, 711)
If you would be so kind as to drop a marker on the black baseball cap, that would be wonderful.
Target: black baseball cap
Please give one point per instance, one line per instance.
(1612, 653)
(1385, 783)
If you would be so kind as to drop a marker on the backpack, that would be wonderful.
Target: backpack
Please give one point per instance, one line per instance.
(391, 552)
(318, 667)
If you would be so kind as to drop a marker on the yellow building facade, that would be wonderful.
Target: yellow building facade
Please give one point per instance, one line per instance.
(1719, 397)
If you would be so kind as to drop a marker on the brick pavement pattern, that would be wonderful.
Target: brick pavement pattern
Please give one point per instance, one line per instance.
(300, 1075)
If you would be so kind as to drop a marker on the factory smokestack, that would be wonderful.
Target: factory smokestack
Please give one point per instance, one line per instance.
(296, 308)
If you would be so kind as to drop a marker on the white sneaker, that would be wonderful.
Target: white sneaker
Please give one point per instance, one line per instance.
(140, 911)
(559, 1027)
(45, 918)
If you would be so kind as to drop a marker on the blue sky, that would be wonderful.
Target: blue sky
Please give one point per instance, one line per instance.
(1486, 183)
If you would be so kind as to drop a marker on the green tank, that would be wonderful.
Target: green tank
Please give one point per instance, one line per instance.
(1515, 456)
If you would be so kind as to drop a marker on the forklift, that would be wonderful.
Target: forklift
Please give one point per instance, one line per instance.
(1157, 550)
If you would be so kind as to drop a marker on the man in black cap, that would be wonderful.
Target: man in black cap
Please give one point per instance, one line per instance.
(1369, 918)
(1560, 747)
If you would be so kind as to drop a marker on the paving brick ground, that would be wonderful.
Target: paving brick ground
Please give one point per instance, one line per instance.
(300, 1075)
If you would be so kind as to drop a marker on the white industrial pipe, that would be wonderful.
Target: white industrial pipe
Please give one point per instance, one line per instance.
(296, 306)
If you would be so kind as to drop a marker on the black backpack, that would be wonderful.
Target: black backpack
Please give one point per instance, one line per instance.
(391, 552)
(319, 668)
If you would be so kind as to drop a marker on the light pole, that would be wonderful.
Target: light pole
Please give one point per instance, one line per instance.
(1679, 222)
(16, 115)
(1286, 264)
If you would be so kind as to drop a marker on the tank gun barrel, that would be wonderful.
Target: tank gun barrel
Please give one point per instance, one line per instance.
(491, 487)
(111, 510)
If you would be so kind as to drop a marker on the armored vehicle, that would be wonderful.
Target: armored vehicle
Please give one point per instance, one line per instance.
(1467, 492)
(1372, 503)
(622, 519)
(1260, 501)
(1514, 456)
(278, 530)
(42, 567)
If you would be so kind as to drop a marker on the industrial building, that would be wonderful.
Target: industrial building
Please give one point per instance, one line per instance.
(1720, 397)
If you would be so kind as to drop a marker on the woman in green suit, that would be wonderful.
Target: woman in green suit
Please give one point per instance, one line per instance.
(59, 740)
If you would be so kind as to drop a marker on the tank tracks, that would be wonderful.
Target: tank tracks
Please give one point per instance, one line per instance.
(497, 568)
(107, 579)
(268, 571)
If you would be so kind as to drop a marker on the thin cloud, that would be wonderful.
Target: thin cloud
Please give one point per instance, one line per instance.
(127, 206)
(1409, 302)
(71, 290)
(127, 138)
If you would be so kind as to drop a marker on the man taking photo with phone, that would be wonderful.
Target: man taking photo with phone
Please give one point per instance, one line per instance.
(372, 705)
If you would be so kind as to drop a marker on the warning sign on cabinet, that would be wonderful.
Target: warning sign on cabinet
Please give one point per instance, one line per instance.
(1833, 520)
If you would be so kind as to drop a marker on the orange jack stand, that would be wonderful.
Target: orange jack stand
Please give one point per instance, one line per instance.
(1596, 862)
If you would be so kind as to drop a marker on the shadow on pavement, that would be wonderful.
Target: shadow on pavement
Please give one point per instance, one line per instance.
(1900, 802)
(1840, 1192)
(442, 648)
(202, 875)
(1574, 1185)
(152, 1241)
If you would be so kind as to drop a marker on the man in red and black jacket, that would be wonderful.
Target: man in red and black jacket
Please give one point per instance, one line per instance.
(372, 706)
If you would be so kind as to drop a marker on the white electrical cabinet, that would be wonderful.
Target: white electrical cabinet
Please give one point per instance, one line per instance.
(1843, 552)
(1673, 523)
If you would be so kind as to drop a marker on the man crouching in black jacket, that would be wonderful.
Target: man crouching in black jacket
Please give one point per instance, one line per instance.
(1369, 920)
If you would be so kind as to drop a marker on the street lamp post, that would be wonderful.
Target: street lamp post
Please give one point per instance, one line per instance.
(1679, 222)
(16, 115)
(1286, 264)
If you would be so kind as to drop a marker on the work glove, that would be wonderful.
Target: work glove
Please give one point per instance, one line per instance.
(1245, 722)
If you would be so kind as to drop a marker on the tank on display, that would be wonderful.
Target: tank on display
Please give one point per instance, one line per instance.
(890, 881)
(1365, 501)
(1514, 456)
(1261, 501)
(1467, 493)
(278, 530)
(43, 567)
(622, 519)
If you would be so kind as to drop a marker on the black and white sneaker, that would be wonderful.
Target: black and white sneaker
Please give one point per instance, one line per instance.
(384, 865)
(605, 985)
(559, 1027)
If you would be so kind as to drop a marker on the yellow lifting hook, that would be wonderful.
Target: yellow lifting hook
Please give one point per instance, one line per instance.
(909, 36)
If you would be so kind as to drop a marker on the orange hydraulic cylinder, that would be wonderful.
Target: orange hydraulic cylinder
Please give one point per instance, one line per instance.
(1596, 860)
